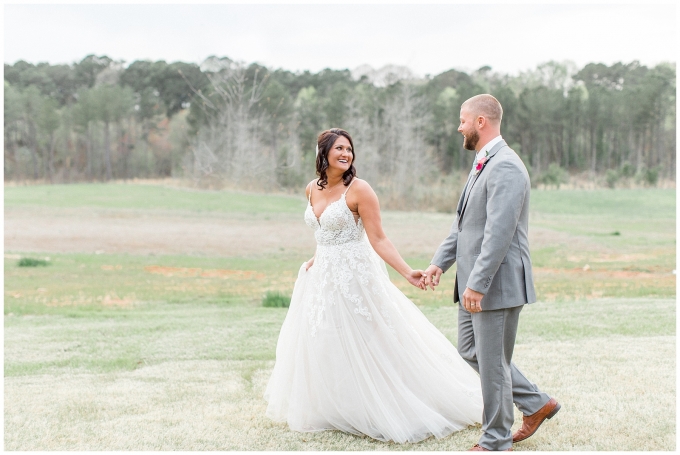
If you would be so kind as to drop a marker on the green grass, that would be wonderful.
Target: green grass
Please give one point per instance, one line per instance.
(643, 219)
(126, 340)
(275, 299)
(172, 352)
(621, 203)
(162, 332)
(85, 284)
(147, 197)
(31, 262)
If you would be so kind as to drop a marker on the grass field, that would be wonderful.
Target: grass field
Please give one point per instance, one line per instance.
(145, 331)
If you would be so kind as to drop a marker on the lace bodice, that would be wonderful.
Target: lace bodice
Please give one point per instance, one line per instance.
(336, 224)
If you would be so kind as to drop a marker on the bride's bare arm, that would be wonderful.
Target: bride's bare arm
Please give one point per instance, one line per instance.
(365, 202)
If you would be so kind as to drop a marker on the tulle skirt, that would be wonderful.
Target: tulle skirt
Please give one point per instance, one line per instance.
(356, 355)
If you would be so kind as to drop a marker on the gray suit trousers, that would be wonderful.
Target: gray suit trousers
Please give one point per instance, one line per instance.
(486, 341)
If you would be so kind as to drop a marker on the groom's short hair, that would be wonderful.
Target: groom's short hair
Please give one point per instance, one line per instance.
(485, 105)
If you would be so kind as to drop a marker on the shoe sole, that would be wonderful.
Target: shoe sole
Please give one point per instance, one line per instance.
(549, 416)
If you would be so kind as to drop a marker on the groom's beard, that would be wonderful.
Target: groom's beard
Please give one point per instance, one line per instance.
(470, 140)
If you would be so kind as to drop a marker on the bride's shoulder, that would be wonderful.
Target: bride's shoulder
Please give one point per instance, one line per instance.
(361, 185)
(309, 187)
(362, 188)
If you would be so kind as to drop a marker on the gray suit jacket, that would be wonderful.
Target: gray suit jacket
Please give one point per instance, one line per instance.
(490, 237)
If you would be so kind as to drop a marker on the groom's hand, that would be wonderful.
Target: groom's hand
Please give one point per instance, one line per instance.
(472, 300)
(432, 275)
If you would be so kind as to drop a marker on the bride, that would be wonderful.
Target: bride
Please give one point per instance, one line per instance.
(354, 353)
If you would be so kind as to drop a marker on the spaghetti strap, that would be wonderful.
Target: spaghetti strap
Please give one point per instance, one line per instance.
(311, 188)
(348, 186)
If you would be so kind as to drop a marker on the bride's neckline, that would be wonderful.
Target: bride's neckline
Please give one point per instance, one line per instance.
(342, 197)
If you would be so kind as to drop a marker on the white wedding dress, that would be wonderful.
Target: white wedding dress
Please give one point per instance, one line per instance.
(356, 355)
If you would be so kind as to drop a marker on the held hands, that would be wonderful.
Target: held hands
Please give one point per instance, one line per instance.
(416, 279)
(431, 277)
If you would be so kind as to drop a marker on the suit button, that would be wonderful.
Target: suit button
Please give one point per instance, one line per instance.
(460, 229)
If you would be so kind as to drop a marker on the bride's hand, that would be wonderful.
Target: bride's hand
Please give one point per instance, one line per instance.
(416, 278)
(309, 264)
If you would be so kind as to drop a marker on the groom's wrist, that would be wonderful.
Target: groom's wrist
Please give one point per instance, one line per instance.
(439, 267)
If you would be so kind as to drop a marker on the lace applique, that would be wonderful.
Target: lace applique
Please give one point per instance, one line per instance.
(342, 256)
(336, 224)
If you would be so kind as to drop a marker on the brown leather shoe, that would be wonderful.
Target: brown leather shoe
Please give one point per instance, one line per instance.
(478, 448)
(531, 423)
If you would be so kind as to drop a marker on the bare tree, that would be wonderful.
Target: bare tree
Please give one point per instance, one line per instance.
(234, 146)
(390, 137)
(407, 159)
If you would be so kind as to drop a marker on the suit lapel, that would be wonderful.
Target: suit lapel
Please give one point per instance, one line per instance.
(471, 183)
(459, 209)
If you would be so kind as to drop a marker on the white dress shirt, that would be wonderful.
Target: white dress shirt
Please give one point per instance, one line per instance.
(488, 148)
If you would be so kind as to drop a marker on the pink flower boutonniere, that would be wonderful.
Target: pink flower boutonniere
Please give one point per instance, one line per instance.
(480, 163)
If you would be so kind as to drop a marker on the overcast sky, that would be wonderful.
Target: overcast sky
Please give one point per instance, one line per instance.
(428, 39)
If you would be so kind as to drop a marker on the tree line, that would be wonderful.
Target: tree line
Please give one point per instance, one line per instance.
(228, 123)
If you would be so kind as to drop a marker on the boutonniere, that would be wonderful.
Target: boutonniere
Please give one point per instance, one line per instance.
(480, 163)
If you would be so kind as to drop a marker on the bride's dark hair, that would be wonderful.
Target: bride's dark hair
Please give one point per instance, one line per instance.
(325, 141)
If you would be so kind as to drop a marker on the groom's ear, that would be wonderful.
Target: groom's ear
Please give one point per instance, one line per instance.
(481, 121)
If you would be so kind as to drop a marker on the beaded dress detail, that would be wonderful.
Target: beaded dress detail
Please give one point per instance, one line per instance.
(356, 355)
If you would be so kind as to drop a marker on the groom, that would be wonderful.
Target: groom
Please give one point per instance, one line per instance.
(489, 240)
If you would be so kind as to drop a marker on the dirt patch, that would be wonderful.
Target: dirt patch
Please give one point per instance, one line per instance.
(136, 232)
(148, 232)
(110, 300)
(194, 272)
